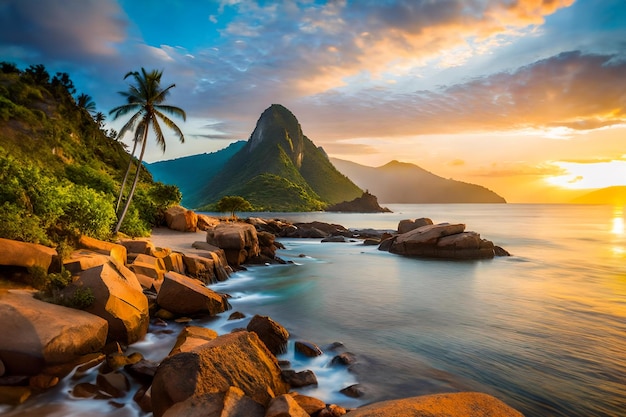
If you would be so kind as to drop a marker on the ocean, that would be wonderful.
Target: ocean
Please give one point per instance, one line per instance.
(543, 330)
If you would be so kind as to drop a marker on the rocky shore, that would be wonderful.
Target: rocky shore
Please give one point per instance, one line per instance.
(142, 286)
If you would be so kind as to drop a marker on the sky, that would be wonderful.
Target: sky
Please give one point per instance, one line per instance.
(524, 97)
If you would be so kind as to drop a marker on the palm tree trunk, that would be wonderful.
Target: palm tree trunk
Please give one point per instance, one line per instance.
(132, 189)
(130, 163)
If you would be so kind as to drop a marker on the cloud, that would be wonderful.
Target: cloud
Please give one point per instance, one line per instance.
(517, 169)
(59, 29)
(567, 92)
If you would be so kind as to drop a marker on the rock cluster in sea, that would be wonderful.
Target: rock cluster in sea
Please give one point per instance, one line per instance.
(134, 285)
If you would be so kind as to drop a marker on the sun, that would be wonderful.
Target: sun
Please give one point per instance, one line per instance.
(589, 175)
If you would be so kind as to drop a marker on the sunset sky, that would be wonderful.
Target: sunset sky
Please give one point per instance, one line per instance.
(526, 97)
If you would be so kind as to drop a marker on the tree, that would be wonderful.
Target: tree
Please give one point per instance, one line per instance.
(85, 102)
(232, 204)
(99, 118)
(145, 98)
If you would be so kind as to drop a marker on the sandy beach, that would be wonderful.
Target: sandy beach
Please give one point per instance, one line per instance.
(162, 237)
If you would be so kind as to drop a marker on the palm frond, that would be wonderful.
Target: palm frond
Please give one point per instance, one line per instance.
(170, 124)
(130, 124)
(173, 110)
(160, 139)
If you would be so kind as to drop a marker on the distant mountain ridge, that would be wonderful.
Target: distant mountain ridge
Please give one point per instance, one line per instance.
(404, 183)
(615, 195)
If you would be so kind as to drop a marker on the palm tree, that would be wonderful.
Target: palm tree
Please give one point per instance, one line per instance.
(85, 102)
(99, 118)
(145, 98)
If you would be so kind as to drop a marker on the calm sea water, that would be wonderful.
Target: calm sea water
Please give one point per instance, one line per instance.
(543, 330)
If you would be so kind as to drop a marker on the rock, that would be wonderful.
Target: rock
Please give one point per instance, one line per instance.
(84, 259)
(174, 262)
(2, 368)
(344, 358)
(206, 222)
(440, 241)
(200, 267)
(353, 391)
(440, 405)
(114, 383)
(238, 240)
(285, 406)
(182, 295)
(273, 335)
(371, 241)
(333, 410)
(500, 251)
(407, 225)
(27, 255)
(113, 250)
(143, 371)
(232, 403)
(319, 230)
(44, 334)
(43, 381)
(14, 395)
(308, 349)
(237, 359)
(309, 404)
(143, 398)
(181, 219)
(119, 299)
(191, 337)
(299, 379)
(367, 203)
(237, 315)
(85, 390)
(385, 244)
(220, 263)
(137, 246)
(149, 271)
(334, 239)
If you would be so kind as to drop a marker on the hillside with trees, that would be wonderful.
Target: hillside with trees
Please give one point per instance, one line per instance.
(61, 172)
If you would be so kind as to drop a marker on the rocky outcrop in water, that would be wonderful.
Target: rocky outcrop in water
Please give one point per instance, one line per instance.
(367, 203)
(444, 240)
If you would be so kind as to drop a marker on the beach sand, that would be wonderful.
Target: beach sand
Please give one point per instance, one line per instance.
(162, 237)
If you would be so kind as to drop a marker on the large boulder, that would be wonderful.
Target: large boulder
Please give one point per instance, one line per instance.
(237, 359)
(182, 295)
(181, 219)
(206, 222)
(442, 240)
(273, 334)
(37, 334)
(239, 241)
(114, 250)
(119, 299)
(440, 405)
(283, 406)
(27, 255)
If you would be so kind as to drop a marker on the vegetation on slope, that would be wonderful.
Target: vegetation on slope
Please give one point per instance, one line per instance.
(59, 169)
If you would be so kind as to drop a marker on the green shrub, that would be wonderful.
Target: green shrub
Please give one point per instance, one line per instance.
(87, 211)
(90, 177)
(133, 225)
(17, 223)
